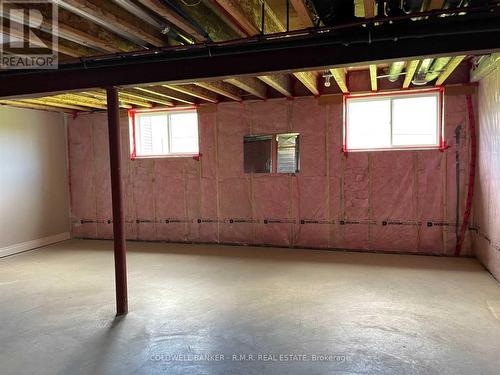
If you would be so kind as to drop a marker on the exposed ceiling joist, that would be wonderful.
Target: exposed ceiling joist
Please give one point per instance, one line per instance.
(369, 6)
(411, 68)
(226, 17)
(140, 95)
(55, 103)
(302, 11)
(451, 36)
(249, 84)
(80, 100)
(15, 103)
(110, 20)
(373, 77)
(339, 74)
(221, 88)
(452, 65)
(279, 82)
(237, 13)
(309, 80)
(166, 93)
(123, 98)
(63, 32)
(96, 97)
(83, 38)
(195, 91)
(171, 16)
(435, 4)
(76, 51)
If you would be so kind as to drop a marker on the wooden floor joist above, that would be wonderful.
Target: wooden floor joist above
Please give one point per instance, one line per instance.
(221, 88)
(251, 85)
(194, 91)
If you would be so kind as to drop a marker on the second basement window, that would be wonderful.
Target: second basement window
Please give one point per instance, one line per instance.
(172, 133)
(397, 121)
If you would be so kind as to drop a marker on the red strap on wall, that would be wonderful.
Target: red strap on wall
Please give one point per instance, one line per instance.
(133, 152)
(472, 174)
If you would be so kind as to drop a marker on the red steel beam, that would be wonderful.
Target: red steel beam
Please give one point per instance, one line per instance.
(312, 50)
(120, 246)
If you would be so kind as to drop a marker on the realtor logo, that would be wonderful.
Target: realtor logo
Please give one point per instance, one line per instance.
(28, 34)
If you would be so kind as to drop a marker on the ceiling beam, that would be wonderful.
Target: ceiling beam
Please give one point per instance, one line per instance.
(279, 82)
(339, 74)
(452, 65)
(221, 88)
(239, 16)
(76, 51)
(411, 68)
(166, 93)
(448, 36)
(302, 11)
(85, 39)
(66, 29)
(208, 20)
(249, 84)
(80, 101)
(171, 16)
(123, 98)
(309, 80)
(226, 17)
(373, 77)
(369, 6)
(15, 103)
(196, 91)
(134, 94)
(435, 4)
(111, 19)
(55, 103)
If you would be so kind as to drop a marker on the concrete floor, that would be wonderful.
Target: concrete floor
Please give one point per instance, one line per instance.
(366, 313)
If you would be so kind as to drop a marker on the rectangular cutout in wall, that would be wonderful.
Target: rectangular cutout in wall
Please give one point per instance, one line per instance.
(277, 153)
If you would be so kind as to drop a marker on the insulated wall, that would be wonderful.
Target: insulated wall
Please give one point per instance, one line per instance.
(402, 201)
(487, 202)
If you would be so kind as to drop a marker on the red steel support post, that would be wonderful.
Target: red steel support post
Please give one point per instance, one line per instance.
(120, 245)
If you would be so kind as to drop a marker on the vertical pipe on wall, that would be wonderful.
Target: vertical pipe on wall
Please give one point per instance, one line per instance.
(472, 173)
(120, 246)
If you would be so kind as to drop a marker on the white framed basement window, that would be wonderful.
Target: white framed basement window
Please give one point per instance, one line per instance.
(394, 121)
(166, 133)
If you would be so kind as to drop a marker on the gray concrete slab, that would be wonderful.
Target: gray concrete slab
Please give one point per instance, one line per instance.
(247, 311)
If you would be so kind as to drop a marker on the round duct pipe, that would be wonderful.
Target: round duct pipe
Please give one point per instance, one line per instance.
(424, 67)
(412, 6)
(395, 70)
(436, 68)
(394, 8)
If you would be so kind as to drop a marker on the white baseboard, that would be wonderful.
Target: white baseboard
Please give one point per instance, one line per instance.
(30, 245)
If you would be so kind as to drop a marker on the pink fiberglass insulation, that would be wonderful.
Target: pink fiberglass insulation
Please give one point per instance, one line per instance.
(487, 186)
(401, 201)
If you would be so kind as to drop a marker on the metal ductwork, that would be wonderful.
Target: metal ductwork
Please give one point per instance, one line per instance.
(452, 4)
(334, 12)
(437, 67)
(394, 8)
(395, 70)
(413, 6)
(423, 69)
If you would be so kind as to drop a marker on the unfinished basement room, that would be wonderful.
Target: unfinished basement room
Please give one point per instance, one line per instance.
(250, 187)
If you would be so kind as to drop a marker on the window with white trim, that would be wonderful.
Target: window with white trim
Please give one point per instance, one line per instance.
(169, 133)
(393, 121)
